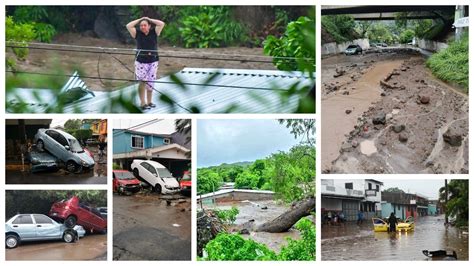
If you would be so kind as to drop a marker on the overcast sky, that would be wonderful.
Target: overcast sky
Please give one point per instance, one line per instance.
(231, 140)
(426, 187)
(162, 126)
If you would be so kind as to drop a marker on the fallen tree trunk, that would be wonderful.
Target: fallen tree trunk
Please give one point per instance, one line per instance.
(286, 220)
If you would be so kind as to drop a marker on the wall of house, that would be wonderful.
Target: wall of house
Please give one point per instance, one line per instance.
(331, 204)
(123, 142)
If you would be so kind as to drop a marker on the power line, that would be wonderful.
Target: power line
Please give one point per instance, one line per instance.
(181, 52)
(106, 51)
(149, 81)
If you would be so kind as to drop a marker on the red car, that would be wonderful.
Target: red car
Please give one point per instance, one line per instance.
(125, 182)
(185, 184)
(72, 212)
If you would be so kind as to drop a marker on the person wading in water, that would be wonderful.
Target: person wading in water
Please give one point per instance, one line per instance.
(392, 222)
(146, 61)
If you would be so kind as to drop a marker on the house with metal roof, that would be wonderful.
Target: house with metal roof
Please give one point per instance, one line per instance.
(204, 90)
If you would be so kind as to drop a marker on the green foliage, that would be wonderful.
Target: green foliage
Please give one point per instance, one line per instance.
(394, 190)
(379, 32)
(82, 134)
(452, 63)
(234, 247)
(72, 124)
(44, 32)
(341, 27)
(303, 249)
(407, 36)
(458, 200)
(298, 41)
(211, 27)
(230, 247)
(116, 166)
(208, 181)
(40, 201)
(304, 128)
(21, 34)
(227, 216)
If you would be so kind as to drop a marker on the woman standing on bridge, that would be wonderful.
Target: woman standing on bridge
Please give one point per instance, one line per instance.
(146, 60)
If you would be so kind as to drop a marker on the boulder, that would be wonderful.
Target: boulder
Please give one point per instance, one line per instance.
(379, 119)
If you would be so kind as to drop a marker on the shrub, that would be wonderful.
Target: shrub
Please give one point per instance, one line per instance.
(235, 248)
(44, 32)
(227, 216)
(304, 248)
(21, 33)
(407, 36)
(452, 63)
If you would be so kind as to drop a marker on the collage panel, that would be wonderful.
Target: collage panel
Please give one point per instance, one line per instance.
(56, 151)
(160, 59)
(56, 225)
(256, 189)
(394, 94)
(394, 219)
(152, 189)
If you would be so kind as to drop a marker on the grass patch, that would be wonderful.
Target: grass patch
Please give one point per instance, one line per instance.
(452, 63)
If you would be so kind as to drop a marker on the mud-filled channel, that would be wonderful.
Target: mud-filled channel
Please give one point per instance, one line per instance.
(359, 242)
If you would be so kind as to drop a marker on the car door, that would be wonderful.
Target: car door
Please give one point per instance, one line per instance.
(63, 143)
(146, 173)
(24, 226)
(54, 145)
(46, 228)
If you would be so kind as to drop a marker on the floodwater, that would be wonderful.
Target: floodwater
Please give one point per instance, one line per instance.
(352, 242)
(336, 123)
(150, 227)
(90, 247)
(261, 212)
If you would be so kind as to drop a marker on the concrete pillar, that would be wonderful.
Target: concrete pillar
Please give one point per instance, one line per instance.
(459, 13)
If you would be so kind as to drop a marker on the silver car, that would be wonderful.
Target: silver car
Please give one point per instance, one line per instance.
(33, 227)
(66, 147)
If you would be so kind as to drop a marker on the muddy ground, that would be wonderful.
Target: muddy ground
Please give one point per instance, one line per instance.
(386, 113)
(106, 66)
(18, 175)
(152, 227)
(90, 247)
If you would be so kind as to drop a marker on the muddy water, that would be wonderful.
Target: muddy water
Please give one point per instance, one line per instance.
(253, 210)
(352, 242)
(336, 123)
(91, 247)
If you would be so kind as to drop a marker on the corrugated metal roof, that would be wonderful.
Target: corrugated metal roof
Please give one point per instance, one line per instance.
(209, 99)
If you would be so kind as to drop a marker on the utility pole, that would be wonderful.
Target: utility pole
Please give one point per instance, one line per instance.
(446, 201)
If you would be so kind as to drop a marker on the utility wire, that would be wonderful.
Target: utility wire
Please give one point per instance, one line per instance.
(21, 44)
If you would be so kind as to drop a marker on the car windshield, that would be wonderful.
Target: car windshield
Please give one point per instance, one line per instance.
(124, 175)
(164, 173)
(75, 146)
(351, 47)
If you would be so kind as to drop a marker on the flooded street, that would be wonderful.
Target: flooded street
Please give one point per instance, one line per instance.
(91, 247)
(149, 227)
(385, 113)
(96, 176)
(352, 242)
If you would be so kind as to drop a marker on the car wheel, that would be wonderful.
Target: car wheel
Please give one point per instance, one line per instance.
(40, 145)
(69, 236)
(158, 188)
(70, 221)
(12, 241)
(71, 167)
(135, 173)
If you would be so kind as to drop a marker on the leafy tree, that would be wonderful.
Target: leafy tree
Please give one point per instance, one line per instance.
(21, 34)
(394, 190)
(208, 181)
(379, 32)
(458, 200)
(305, 128)
(341, 27)
(72, 124)
(407, 36)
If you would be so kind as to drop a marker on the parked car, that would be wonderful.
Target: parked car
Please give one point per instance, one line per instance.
(185, 184)
(42, 161)
(353, 49)
(65, 147)
(72, 211)
(381, 44)
(124, 182)
(36, 227)
(155, 174)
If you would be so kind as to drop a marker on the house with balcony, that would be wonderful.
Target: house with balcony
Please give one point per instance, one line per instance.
(350, 197)
(167, 149)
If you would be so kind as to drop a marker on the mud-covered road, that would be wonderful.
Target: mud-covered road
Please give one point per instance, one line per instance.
(353, 242)
(385, 113)
(90, 247)
(149, 227)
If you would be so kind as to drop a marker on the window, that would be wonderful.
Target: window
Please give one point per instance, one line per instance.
(349, 186)
(41, 219)
(23, 219)
(166, 141)
(138, 142)
(377, 187)
(370, 186)
(62, 140)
